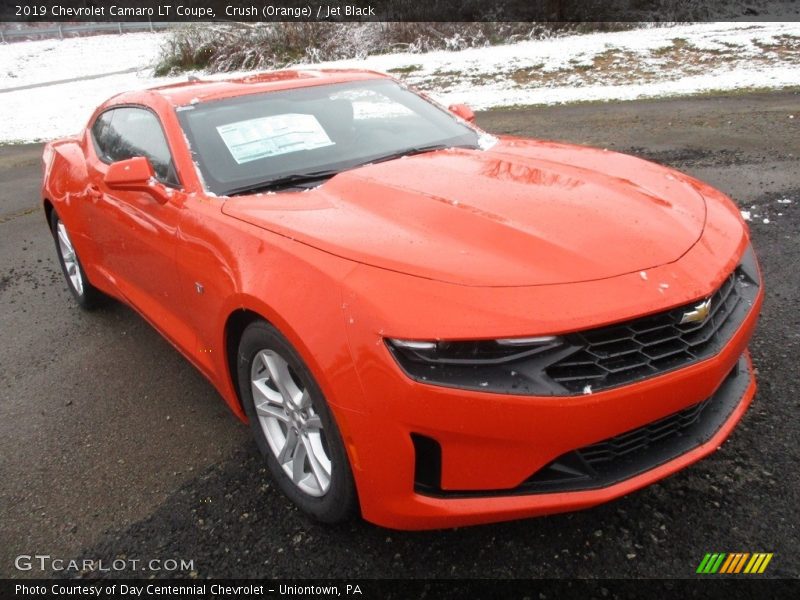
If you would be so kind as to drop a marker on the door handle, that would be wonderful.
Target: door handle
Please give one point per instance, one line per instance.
(94, 192)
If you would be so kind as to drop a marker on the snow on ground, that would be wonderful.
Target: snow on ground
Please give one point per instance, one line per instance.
(766, 211)
(639, 63)
(48, 111)
(647, 62)
(28, 63)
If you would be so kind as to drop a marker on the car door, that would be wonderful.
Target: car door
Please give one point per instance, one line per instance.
(134, 233)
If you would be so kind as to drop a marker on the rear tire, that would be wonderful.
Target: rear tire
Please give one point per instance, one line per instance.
(86, 295)
(293, 427)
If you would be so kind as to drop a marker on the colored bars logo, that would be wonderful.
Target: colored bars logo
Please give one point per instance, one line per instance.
(734, 562)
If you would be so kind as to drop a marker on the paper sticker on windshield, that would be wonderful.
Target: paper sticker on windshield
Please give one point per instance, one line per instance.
(272, 136)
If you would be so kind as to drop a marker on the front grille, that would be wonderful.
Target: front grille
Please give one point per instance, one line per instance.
(648, 346)
(595, 359)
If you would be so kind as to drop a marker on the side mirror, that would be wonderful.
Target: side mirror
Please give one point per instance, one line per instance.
(463, 111)
(135, 175)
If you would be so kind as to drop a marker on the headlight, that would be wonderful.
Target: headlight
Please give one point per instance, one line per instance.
(749, 265)
(503, 366)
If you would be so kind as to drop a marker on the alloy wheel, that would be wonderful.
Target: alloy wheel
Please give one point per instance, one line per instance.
(290, 423)
(69, 257)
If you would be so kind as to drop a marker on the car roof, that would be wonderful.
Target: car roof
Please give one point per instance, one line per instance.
(202, 90)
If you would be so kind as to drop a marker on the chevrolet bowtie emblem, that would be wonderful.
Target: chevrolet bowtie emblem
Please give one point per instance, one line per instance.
(698, 314)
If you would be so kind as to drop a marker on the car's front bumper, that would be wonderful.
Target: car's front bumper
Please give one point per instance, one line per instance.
(491, 444)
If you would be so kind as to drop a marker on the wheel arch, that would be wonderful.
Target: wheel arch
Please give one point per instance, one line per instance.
(48, 209)
(322, 344)
(250, 310)
(235, 324)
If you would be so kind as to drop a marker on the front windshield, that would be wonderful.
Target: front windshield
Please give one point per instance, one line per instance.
(250, 142)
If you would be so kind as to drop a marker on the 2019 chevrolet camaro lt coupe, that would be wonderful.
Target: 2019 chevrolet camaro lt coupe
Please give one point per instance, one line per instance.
(420, 321)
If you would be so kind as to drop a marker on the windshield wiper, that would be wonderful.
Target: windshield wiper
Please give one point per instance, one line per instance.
(296, 179)
(415, 150)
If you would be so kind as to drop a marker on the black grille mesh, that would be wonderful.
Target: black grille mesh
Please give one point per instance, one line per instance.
(624, 353)
(640, 439)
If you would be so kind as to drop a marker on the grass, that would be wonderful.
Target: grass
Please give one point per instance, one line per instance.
(677, 44)
(19, 142)
(754, 91)
(246, 46)
(405, 70)
(785, 46)
(616, 66)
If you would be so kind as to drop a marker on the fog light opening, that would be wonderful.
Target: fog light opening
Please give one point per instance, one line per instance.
(427, 463)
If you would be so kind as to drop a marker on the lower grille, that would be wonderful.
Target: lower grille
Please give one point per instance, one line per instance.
(621, 457)
(606, 452)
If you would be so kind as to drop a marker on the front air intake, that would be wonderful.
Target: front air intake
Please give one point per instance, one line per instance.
(427, 463)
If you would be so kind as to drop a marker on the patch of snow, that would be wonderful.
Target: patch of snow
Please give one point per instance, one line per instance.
(486, 141)
(766, 221)
(601, 66)
(483, 76)
(38, 62)
(746, 215)
(587, 389)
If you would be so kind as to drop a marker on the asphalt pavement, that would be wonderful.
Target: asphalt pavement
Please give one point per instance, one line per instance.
(112, 445)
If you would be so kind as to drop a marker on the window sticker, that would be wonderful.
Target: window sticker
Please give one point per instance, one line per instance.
(271, 136)
(368, 104)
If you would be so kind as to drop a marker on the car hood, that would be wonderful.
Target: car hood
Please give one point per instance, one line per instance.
(521, 213)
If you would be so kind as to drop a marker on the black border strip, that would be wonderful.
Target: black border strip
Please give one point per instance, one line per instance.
(561, 11)
(706, 587)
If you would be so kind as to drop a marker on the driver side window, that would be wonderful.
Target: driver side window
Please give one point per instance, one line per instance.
(123, 133)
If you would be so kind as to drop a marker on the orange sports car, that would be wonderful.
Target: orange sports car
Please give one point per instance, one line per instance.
(420, 321)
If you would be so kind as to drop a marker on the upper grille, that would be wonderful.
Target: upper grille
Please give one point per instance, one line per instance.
(624, 353)
(594, 359)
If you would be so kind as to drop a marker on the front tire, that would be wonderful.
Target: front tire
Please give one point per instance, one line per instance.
(86, 295)
(293, 426)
